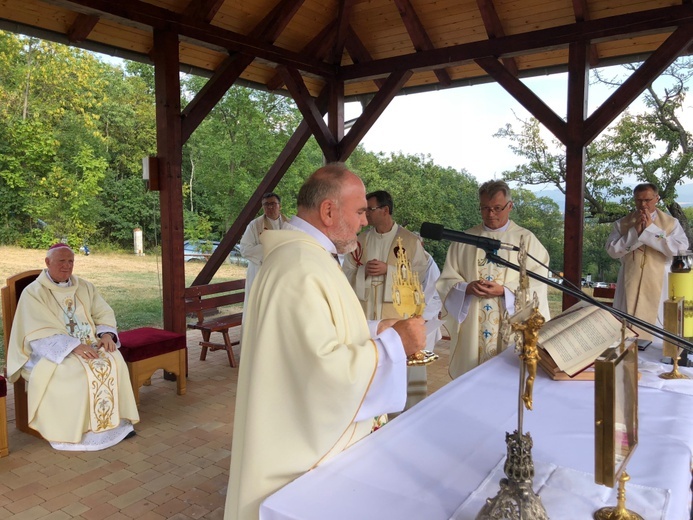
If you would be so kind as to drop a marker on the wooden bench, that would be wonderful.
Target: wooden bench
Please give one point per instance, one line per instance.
(605, 295)
(205, 299)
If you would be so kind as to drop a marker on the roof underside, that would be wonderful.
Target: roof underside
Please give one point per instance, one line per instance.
(360, 41)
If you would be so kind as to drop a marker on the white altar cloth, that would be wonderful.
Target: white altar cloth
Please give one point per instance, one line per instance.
(427, 462)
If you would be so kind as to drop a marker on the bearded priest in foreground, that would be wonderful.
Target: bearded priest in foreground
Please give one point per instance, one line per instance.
(313, 375)
(64, 343)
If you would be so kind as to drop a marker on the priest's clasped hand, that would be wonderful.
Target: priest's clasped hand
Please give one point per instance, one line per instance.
(484, 289)
(412, 332)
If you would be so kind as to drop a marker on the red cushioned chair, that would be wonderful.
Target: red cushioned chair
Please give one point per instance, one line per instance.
(4, 449)
(147, 349)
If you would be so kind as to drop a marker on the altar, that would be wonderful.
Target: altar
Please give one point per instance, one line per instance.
(441, 459)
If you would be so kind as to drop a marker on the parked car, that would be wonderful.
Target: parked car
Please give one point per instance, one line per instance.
(600, 285)
(200, 251)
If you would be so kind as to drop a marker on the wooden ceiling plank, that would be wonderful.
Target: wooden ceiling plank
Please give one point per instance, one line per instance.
(203, 10)
(418, 35)
(524, 96)
(651, 68)
(311, 114)
(82, 27)
(613, 27)
(287, 156)
(372, 112)
(494, 29)
(231, 69)
(158, 18)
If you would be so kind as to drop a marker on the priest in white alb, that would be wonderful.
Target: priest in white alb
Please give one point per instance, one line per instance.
(476, 292)
(645, 242)
(64, 342)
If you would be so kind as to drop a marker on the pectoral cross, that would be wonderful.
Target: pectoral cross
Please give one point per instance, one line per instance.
(72, 324)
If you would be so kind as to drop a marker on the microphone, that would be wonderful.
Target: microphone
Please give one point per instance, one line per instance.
(438, 232)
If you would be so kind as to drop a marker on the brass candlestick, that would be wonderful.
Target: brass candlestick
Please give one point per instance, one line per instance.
(619, 512)
(408, 300)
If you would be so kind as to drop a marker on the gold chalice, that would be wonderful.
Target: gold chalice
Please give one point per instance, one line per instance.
(408, 300)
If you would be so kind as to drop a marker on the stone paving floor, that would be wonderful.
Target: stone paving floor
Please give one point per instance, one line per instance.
(176, 467)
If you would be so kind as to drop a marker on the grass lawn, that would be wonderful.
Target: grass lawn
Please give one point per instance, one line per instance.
(130, 284)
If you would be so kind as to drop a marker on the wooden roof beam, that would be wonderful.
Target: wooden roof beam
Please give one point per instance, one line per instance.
(318, 47)
(651, 68)
(603, 29)
(527, 98)
(494, 29)
(343, 24)
(419, 37)
(358, 52)
(82, 27)
(230, 70)
(149, 16)
(311, 114)
(203, 10)
(372, 112)
(582, 14)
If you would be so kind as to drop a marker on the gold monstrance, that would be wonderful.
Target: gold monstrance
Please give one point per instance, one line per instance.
(516, 499)
(408, 300)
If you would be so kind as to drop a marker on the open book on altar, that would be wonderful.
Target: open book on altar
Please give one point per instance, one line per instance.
(570, 342)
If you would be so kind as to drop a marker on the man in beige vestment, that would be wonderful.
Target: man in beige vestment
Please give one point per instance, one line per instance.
(369, 269)
(312, 375)
(64, 342)
(476, 292)
(250, 246)
(645, 241)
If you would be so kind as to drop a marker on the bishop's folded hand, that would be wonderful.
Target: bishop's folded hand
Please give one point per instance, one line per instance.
(412, 332)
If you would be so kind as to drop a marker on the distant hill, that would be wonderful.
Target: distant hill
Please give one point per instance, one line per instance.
(685, 195)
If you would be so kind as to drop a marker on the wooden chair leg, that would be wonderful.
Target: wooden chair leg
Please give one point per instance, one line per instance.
(4, 445)
(229, 348)
(181, 379)
(205, 338)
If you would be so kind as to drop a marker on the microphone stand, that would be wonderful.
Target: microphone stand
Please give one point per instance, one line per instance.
(661, 333)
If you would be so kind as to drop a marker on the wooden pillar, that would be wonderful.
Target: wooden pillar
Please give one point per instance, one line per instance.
(169, 153)
(335, 112)
(578, 85)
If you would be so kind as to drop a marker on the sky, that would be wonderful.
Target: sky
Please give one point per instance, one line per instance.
(456, 126)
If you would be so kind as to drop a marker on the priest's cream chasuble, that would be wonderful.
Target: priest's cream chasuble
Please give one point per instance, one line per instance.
(308, 354)
(68, 397)
(477, 338)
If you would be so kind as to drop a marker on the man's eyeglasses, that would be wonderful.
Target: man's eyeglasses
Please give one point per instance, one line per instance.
(374, 208)
(643, 201)
(495, 209)
(270, 204)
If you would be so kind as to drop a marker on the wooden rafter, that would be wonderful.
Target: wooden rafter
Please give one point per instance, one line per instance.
(343, 24)
(525, 97)
(318, 47)
(372, 112)
(230, 70)
(203, 10)
(148, 16)
(82, 27)
(657, 63)
(494, 29)
(311, 113)
(358, 52)
(418, 35)
(602, 29)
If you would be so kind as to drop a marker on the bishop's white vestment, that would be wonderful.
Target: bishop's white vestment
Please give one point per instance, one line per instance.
(50, 321)
(308, 371)
(473, 323)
